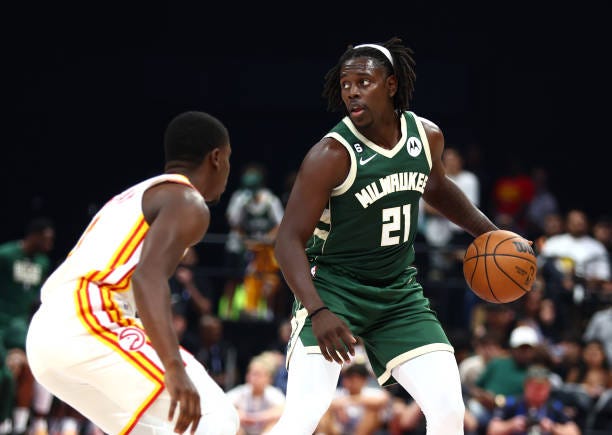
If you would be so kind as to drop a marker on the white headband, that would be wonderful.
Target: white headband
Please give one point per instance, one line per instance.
(380, 48)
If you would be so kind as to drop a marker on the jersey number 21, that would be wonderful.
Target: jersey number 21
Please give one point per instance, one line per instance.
(392, 223)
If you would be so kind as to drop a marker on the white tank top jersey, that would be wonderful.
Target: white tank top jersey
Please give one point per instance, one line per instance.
(106, 255)
(86, 344)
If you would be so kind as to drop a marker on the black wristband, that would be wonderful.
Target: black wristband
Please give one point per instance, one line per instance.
(311, 315)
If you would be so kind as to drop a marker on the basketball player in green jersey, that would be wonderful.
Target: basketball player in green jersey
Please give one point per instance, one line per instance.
(354, 207)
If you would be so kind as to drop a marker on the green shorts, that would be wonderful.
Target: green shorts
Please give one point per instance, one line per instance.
(395, 323)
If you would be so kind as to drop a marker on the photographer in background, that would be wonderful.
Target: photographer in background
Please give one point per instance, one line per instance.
(535, 413)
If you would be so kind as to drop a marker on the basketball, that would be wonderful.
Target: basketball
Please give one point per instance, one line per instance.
(499, 266)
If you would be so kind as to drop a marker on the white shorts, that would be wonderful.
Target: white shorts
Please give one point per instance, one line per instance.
(103, 365)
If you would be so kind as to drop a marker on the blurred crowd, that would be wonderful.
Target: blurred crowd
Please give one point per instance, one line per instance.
(539, 365)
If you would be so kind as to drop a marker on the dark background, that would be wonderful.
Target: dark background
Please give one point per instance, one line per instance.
(89, 89)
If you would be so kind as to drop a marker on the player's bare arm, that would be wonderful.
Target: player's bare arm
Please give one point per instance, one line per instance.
(444, 195)
(325, 166)
(178, 218)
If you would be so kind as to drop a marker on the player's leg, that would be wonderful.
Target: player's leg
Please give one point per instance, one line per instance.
(118, 397)
(310, 388)
(219, 416)
(432, 379)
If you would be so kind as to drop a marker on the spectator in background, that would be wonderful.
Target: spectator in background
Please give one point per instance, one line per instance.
(218, 355)
(599, 328)
(486, 347)
(254, 213)
(532, 412)
(588, 255)
(24, 265)
(258, 402)
(602, 231)
(535, 310)
(504, 376)
(576, 266)
(187, 337)
(512, 193)
(191, 290)
(357, 408)
(500, 318)
(438, 230)
(543, 203)
(566, 353)
(593, 371)
(553, 225)
(440, 233)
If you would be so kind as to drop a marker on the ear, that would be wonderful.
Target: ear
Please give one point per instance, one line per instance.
(392, 85)
(215, 157)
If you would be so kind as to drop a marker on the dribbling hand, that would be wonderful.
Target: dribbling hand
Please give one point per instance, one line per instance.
(334, 337)
(183, 392)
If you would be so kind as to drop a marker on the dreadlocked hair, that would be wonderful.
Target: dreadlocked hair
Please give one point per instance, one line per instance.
(403, 68)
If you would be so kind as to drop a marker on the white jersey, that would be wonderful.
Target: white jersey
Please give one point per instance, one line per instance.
(109, 249)
(86, 345)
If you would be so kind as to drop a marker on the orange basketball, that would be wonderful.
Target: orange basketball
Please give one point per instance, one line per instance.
(499, 266)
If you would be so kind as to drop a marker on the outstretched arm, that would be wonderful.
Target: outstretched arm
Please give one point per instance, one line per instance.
(178, 218)
(445, 196)
(325, 166)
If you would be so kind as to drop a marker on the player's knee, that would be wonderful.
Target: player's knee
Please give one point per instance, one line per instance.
(299, 421)
(222, 424)
(447, 417)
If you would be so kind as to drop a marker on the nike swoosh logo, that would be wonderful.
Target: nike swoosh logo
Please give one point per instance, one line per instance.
(363, 162)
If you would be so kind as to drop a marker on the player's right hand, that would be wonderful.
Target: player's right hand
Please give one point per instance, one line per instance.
(334, 337)
(183, 392)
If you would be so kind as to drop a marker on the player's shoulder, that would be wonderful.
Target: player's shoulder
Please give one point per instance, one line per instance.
(328, 147)
(175, 196)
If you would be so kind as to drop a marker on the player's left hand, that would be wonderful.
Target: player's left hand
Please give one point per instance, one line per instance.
(184, 393)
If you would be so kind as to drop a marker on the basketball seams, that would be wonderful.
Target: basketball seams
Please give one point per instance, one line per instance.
(508, 276)
(501, 255)
(486, 270)
(475, 266)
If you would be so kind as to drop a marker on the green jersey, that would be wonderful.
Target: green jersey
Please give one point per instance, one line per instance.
(370, 223)
(21, 277)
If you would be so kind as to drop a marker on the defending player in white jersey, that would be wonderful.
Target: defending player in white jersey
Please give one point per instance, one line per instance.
(103, 339)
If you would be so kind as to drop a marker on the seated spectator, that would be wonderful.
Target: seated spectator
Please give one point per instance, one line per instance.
(187, 338)
(599, 327)
(486, 348)
(544, 203)
(535, 310)
(553, 225)
(259, 404)
(580, 257)
(593, 371)
(218, 355)
(532, 412)
(504, 376)
(356, 408)
(191, 289)
(500, 318)
(566, 353)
